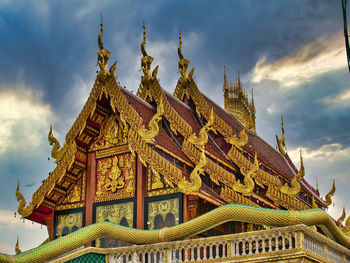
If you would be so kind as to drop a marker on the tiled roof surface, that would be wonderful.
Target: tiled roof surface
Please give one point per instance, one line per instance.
(147, 112)
(186, 113)
(267, 154)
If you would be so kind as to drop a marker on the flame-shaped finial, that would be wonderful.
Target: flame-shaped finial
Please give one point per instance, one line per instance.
(180, 45)
(143, 44)
(99, 40)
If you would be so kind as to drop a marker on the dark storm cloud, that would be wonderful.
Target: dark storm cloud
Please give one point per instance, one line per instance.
(308, 121)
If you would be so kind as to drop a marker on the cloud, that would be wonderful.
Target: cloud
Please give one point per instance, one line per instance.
(7, 220)
(315, 58)
(330, 152)
(24, 119)
(341, 99)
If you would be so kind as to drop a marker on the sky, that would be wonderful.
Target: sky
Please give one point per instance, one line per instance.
(291, 53)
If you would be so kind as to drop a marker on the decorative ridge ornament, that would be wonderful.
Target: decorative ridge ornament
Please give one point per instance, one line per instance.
(23, 209)
(295, 183)
(183, 62)
(341, 218)
(103, 56)
(202, 138)
(281, 141)
(196, 181)
(17, 249)
(57, 152)
(328, 197)
(248, 186)
(149, 134)
(240, 141)
(147, 80)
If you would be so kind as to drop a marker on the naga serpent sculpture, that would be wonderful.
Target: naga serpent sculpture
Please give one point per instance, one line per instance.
(220, 215)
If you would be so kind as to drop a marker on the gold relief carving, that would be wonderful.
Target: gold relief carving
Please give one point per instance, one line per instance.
(196, 181)
(75, 195)
(295, 189)
(156, 182)
(115, 180)
(248, 186)
(149, 134)
(157, 185)
(121, 214)
(115, 177)
(81, 155)
(164, 213)
(68, 223)
(113, 132)
(120, 149)
(328, 197)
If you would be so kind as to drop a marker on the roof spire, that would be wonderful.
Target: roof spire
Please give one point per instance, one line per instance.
(146, 60)
(183, 63)
(103, 54)
(225, 87)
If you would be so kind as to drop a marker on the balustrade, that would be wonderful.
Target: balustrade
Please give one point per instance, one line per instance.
(263, 243)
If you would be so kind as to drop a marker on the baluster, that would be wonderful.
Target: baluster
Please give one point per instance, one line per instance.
(250, 247)
(256, 246)
(210, 251)
(161, 256)
(283, 242)
(192, 253)
(263, 245)
(237, 248)
(277, 243)
(143, 257)
(149, 256)
(186, 254)
(205, 252)
(243, 247)
(217, 251)
(173, 255)
(270, 244)
(180, 255)
(290, 241)
(224, 251)
(198, 253)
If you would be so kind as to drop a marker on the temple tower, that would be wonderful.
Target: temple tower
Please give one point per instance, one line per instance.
(238, 104)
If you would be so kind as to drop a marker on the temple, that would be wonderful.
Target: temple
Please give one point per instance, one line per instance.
(159, 177)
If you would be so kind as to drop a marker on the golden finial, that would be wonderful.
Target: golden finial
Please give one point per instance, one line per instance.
(102, 55)
(99, 40)
(328, 197)
(180, 45)
(17, 249)
(143, 44)
(317, 184)
(295, 183)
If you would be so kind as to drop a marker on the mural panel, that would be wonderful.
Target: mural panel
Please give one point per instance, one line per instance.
(68, 221)
(163, 211)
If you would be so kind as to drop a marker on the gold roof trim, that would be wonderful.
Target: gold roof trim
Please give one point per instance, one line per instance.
(231, 196)
(216, 172)
(147, 155)
(295, 183)
(286, 201)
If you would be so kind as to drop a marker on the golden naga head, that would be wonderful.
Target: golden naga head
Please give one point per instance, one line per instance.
(183, 63)
(103, 54)
(146, 60)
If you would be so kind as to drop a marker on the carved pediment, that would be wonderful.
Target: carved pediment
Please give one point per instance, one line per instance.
(113, 132)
